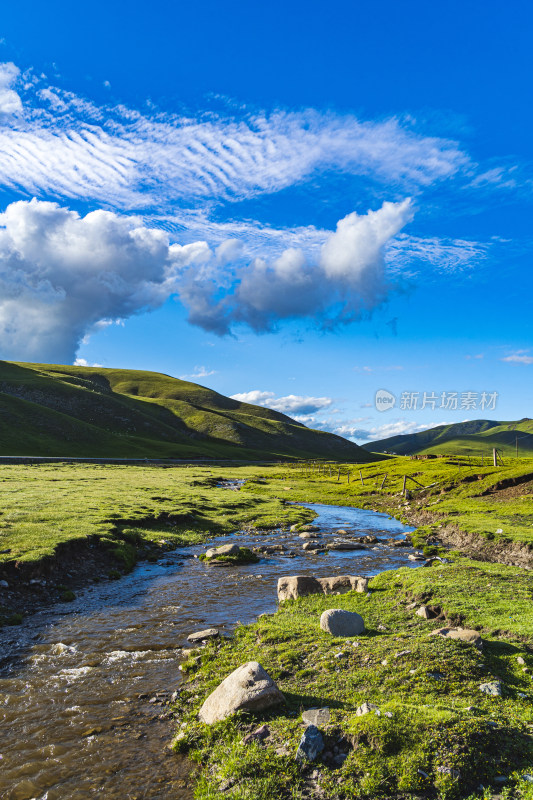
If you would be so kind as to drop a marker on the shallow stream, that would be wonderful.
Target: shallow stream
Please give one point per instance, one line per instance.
(84, 688)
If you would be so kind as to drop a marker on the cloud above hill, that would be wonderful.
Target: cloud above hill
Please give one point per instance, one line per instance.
(291, 404)
(63, 275)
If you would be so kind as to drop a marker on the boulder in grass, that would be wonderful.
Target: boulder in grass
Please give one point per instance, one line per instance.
(493, 688)
(366, 708)
(316, 716)
(294, 586)
(463, 634)
(248, 688)
(339, 622)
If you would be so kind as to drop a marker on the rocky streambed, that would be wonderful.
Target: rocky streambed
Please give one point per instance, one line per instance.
(85, 691)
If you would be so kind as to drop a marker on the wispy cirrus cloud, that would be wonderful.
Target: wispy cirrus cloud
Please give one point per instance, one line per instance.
(519, 357)
(199, 372)
(66, 146)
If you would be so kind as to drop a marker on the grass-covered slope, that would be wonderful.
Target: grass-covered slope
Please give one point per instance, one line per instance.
(48, 410)
(437, 736)
(473, 437)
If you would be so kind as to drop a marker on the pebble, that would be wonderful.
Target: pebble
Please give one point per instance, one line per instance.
(4, 584)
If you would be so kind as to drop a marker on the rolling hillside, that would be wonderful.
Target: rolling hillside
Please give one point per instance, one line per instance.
(464, 438)
(48, 410)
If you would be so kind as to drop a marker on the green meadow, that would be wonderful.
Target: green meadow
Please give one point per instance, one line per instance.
(437, 734)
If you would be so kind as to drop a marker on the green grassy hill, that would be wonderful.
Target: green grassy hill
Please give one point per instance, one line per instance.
(49, 410)
(475, 437)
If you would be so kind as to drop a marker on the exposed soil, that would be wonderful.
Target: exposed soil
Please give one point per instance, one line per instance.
(75, 565)
(516, 554)
(510, 492)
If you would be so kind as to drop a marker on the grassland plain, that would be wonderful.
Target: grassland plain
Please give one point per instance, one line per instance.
(62, 526)
(445, 738)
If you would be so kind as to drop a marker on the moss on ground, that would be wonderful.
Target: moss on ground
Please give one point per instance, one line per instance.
(443, 737)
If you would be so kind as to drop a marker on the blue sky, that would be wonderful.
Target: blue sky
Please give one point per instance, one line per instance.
(296, 203)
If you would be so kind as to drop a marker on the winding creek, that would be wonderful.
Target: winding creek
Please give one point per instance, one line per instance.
(84, 689)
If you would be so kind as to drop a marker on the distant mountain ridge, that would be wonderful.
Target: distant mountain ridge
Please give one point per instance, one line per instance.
(55, 410)
(473, 437)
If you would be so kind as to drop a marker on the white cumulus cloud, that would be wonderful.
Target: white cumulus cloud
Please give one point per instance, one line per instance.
(10, 102)
(290, 404)
(62, 274)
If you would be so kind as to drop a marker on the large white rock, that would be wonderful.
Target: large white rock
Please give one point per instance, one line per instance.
(463, 634)
(248, 688)
(294, 586)
(339, 622)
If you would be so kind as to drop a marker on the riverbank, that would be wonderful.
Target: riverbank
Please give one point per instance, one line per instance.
(66, 526)
(57, 519)
(102, 669)
(483, 510)
(444, 737)
(437, 733)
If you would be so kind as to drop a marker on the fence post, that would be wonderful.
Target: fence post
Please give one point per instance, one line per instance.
(361, 476)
